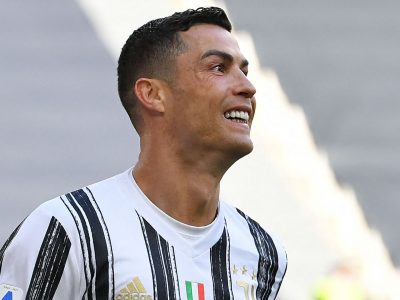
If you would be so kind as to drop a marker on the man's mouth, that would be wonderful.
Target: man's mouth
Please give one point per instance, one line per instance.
(237, 116)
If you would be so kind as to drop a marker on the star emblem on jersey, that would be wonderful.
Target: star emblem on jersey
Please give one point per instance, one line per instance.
(244, 270)
(9, 292)
(194, 290)
(235, 269)
(245, 280)
(134, 290)
(254, 275)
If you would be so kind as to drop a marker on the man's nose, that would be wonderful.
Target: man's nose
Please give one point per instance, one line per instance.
(244, 86)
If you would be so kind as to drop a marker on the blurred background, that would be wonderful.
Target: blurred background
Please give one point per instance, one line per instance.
(324, 176)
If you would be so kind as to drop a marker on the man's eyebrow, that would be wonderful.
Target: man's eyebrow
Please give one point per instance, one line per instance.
(224, 55)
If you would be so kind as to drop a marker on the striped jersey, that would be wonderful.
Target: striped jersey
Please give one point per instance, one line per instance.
(109, 241)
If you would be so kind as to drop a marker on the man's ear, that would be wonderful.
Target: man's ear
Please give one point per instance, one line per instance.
(150, 92)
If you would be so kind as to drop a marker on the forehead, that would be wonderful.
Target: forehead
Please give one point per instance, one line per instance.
(203, 37)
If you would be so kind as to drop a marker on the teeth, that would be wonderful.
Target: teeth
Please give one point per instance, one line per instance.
(237, 115)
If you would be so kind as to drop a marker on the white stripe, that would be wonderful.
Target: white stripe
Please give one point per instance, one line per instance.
(174, 272)
(228, 261)
(282, 263)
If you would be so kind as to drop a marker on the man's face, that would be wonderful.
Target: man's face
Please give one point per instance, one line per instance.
(212, 101)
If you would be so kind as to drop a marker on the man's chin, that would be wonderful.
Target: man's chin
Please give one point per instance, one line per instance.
(242, 149)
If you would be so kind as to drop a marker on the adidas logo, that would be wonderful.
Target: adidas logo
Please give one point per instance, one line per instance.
(134, 291)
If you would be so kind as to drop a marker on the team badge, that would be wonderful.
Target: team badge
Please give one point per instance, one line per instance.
(245, 280)
(194, 290)
(9, 292)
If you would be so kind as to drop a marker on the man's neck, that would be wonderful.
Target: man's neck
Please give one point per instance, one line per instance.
(188, 194)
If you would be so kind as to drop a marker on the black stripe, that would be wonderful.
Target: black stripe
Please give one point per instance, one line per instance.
(271, 264)
(99, 244)
(219, 268)
(268, 257)
(168, 267)
(50, 262)
(89, 277)
(7, 243)
(81, 239)
(228, 260)
(102, 268)
(160, 260)
(176, 272)
(110, 254)
(153, 271)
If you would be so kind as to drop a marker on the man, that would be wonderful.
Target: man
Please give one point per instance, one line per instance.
(159, 230)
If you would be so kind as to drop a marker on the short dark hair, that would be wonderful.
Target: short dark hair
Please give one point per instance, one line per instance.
(150, 51)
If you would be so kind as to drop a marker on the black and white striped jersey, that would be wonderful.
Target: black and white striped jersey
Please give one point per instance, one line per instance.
(108, 241)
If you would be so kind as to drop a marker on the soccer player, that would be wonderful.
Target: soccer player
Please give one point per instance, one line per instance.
(159, 230)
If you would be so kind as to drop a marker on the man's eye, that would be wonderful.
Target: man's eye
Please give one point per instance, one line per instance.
(219, 68)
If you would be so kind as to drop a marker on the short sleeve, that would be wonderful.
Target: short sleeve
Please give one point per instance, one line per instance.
(38, 260)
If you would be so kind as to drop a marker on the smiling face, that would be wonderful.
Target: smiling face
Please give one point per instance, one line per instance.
(211, 104)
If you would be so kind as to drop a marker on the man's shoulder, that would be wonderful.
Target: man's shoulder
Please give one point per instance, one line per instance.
(240, 220)
(57, 205)
(67, 208)
(233, 213)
